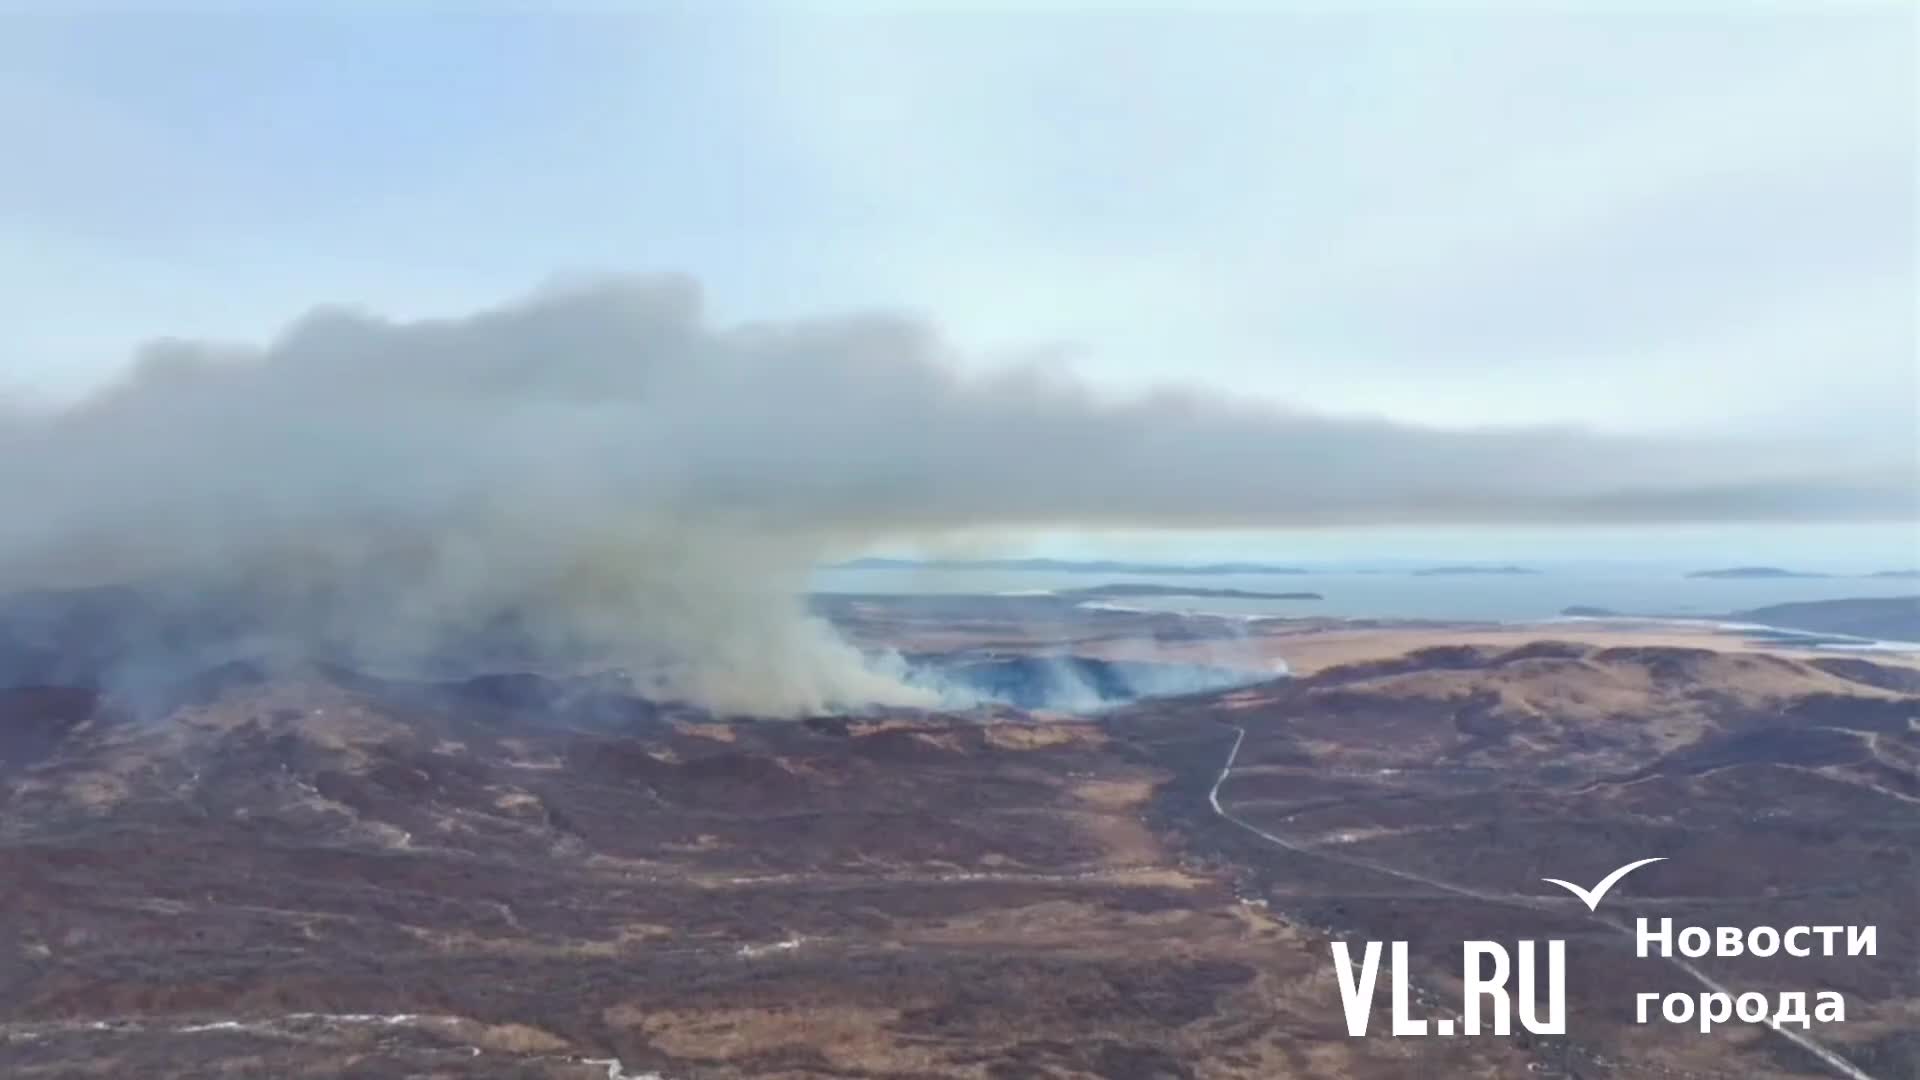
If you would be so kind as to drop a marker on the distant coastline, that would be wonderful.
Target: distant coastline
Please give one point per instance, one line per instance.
(1749, 573)
(1128, 589)
(1251, 568)
(1070, 566)
(1117, 566)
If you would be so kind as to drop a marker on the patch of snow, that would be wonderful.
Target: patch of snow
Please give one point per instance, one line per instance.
(617, 1071)
(778, 946)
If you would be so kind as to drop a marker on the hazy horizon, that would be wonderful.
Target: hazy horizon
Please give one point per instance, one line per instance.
(629, 319)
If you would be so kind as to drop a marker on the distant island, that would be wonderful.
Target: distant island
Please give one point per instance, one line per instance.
(1467, 571)
(1904, 574)
(1125, 589)
(1880, 618)
(1069, 566)
(1741, 572)
(1883, 618)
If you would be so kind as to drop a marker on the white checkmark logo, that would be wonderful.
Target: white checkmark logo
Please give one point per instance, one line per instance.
(1592, 897)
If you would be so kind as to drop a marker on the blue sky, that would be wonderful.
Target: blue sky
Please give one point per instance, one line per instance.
(1637, 223)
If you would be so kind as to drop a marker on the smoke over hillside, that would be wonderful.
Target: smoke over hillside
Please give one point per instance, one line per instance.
(612, 477)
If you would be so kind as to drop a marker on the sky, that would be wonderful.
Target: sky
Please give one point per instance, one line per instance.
(1638, 223)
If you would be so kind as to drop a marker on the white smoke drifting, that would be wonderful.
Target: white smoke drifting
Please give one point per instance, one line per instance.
(627, 482)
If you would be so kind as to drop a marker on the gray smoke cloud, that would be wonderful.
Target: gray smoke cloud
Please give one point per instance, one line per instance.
(622, 479)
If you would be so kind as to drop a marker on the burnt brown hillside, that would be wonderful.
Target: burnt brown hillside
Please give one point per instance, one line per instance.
(316, 872)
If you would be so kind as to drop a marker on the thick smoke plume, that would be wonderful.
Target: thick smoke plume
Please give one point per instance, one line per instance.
(601, 471)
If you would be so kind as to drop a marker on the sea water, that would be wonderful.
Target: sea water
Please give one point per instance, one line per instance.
(1399, 594)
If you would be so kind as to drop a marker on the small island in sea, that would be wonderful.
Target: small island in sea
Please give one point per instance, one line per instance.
(1469, 571)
